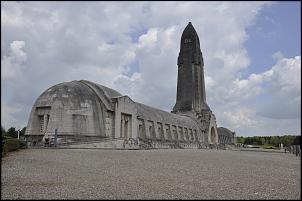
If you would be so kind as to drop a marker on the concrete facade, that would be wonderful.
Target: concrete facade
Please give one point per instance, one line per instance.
(225, 136)
(84, 112)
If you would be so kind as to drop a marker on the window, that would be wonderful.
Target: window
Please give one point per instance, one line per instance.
(188, 40)
(41, 120)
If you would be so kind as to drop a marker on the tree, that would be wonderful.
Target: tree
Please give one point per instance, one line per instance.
(296, 141)
(248, 140)
(287, 140)
(255, 140)
(262, 141)
(12, 132)
(240, 140)
(274, 140)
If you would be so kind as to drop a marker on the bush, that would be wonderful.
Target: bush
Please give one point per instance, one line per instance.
(23, 144)
(4, 149)
(10, 144)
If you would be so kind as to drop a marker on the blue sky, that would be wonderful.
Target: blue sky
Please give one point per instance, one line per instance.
(276, 28)
(251, 50)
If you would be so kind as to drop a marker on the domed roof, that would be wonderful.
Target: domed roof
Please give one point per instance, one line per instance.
(110, 93)
(225, 131)
(77, 92)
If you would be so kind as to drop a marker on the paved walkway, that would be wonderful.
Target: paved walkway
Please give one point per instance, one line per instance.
(149, 174)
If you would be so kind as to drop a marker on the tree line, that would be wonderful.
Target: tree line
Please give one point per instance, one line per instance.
(286, 140)
(12, 132)
(10, 141)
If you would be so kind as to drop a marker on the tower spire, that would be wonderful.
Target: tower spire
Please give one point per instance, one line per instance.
(191, 94)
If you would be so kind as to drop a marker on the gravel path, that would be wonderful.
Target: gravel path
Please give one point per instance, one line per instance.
(149, 174)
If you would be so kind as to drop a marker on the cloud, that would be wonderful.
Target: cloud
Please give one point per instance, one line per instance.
(283, 80)
(135, 52)
(149, 39)
(278, 55)
(287, 75)
(264, 99)
(128, 85)
(8, 115)
(240, 117)
(283, 83)
(12, 65)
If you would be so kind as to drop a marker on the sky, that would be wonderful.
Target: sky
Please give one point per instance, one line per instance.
(251, 50)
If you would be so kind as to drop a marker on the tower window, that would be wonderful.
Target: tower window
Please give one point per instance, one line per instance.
(188, 40)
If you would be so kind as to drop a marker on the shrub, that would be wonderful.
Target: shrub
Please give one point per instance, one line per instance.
(23, 144)
(4, 149)
(10, 144)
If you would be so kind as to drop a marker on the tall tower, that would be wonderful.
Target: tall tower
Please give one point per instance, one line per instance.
(191, 94)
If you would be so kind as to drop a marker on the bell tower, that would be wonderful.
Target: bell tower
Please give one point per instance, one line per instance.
(191, 94)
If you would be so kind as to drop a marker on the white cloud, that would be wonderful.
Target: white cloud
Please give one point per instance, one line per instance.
(8, 118)
(278, 55)
(240, 118)
(149, 39)
(287, 75)
(11, 14)
(11, 65)
(284, 78)
(103, 41)
(128, 85)
(278, 91)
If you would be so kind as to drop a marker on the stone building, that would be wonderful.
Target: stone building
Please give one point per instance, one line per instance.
(86, 112)
(225, 136)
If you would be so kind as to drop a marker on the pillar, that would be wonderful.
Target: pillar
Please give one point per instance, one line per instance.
(45, 123)
(122, 127)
